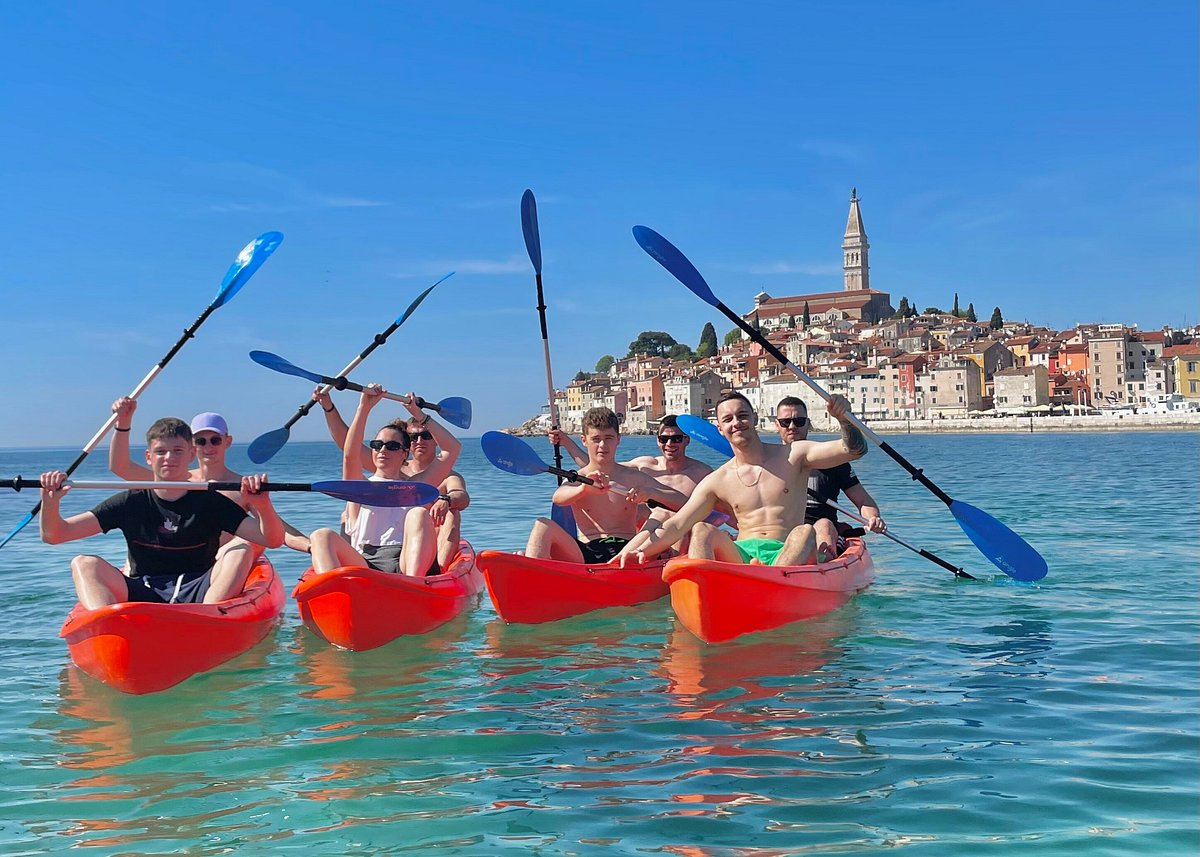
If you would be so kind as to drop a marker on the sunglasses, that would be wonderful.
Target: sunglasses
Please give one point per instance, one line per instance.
(788, 422)
(672, 438)
(389, 445)
(420, 435)
(205, 441)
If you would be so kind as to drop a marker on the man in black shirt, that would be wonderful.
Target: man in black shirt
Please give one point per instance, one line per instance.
(172, 533)
(791, 420)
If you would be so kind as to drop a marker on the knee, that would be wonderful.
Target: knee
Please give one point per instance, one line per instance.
(416, 519)
(323, 537)
(83, 567)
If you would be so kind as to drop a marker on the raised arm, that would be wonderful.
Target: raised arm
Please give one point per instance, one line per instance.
(352, 445)
(120, 461)
(54, 529)
(558, 437)
(851, 446)
(337, 426)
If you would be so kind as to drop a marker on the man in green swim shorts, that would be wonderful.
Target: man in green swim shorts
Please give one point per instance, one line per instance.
(766, 485)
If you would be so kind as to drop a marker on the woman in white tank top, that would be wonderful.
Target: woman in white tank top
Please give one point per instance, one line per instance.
(388, 539)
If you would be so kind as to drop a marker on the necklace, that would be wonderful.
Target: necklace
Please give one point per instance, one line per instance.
(737, 468)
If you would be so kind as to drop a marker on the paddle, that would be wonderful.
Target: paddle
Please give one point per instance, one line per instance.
(513, 455)
(1003, 547)
(561, 515)
(248, 261)
(362, 491)
(455, 409)
(263, 448)
(706, 433)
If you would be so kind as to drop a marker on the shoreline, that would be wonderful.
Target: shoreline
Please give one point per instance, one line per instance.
(994, 425)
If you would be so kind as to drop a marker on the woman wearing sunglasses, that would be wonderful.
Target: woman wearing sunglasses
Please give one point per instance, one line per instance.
(397, 540)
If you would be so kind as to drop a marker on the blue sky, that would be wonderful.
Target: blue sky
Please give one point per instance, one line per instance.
(1036, 156)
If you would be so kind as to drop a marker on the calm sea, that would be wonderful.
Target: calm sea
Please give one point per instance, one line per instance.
(930, 716)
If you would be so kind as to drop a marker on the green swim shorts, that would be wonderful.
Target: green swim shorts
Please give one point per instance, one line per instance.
(764, 550)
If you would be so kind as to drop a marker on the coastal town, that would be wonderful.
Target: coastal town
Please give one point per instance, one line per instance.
(900, 367)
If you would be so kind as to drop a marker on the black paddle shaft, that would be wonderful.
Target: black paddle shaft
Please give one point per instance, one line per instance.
(20, 482)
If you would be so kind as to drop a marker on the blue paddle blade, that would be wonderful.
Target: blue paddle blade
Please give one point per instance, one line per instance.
(456, 410)
(1005, 549)
(529, 226)
(263, 448)
(512, 454)
(412, 307)
(274, 361)
(704, 432)
(247, 262)
(24, 523)
(378, 493)
(666, 254)
(564, 516)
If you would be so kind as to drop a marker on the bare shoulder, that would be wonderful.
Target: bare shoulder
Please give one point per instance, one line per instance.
(643, 461)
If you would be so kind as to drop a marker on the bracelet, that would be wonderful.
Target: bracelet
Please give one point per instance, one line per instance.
(445, 497)
(118, 428)
(328, 410)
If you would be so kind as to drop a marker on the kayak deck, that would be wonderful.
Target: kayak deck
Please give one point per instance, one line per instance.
(532, 591)
(360, 608)
(138, 647)
(719, 601)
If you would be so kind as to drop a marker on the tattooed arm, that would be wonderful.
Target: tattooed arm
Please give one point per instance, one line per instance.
(851, 446)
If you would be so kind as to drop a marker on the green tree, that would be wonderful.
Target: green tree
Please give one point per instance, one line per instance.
(932, 310)
(605, 363)
(581, 376)
(956, 312)
(655, 343)
(997, 319)
(971, 313)
(733, 337)
(806, 319)
(679, 351)
(708, 342)
(902, 312)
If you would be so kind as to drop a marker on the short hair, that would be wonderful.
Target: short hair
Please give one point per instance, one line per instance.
(167, 428)
(730, 396)
(669, 421)
(791, 402)
(601, 418)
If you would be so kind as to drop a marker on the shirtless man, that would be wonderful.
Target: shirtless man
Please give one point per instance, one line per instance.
(765, 485)
(433, 451)
(791, 419)
(607, 519)
(171, 534)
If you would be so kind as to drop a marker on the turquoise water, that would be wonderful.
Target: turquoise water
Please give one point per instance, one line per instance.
(931, 715)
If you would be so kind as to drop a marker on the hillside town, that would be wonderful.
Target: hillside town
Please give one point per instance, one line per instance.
(898, 364)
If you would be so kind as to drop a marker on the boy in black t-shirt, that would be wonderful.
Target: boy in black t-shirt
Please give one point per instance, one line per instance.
(172, 533)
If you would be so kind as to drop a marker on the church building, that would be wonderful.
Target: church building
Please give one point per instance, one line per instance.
(856, 301)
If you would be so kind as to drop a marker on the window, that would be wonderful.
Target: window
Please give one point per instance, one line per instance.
(1191, 365)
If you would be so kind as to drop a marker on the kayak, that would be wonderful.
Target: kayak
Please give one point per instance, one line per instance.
(719, 601)
(544, 590)
(360, 608)
(138, 647)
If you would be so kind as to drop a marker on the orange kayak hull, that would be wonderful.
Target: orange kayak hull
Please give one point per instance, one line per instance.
(140, 648)
(532, 591)
(361, 608)
(719, 601)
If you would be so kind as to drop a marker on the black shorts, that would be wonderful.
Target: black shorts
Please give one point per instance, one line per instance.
(169, 588)
(383, 557)
(599, 551)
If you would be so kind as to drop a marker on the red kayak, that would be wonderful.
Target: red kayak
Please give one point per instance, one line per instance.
(545, 590)
(719, 601)
(361, 608)
(142, 648)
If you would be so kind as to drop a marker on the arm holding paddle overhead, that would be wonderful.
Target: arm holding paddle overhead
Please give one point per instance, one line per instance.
(337, 426)
(851, 446)
(120, 461)
(560, 438)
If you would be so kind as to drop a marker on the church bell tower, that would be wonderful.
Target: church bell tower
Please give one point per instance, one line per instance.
(854, 249)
